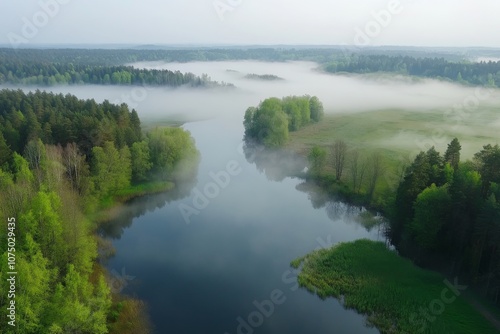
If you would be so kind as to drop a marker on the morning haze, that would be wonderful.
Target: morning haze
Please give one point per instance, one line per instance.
(421, 23)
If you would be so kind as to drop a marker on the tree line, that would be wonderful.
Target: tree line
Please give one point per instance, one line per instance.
(481, 73)
(16, 71)
(270, 122)
(61, 159)
(97, 66)
(447, 211)
(347, 171)
(115, 57)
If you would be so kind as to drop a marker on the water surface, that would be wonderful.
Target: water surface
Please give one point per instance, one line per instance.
(200, 275)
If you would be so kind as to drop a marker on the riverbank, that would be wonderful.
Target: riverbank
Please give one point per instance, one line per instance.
(395, 295)
(127, 315)
(111, 205)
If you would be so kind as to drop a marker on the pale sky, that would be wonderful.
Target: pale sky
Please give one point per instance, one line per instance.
(311, 22)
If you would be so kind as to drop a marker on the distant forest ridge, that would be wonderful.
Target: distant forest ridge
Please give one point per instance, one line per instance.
(111, 66)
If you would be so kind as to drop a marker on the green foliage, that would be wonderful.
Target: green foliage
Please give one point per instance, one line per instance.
(50, 73)
(70, 120)
(270, 123)
(445, 214)
(316, 107)
(78, 306)
(432, 210)
(5, 152)
(317, 159)
(44, 223)
(452, 154)
(488, 165)
(51, 189)
(387, 288)
(168, 148)
(480, 73)
(111, 168)
(34, 279)
(141, 163)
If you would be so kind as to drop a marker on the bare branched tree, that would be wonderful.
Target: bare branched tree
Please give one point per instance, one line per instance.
(376, 171)
(357, 169)
(339, 151)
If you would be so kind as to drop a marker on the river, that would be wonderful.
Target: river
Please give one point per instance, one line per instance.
(217, 260)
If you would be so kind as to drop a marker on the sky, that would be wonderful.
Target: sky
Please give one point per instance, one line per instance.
(245, 22)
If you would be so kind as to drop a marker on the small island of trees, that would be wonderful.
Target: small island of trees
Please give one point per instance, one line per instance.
(270, 122)
(266, 77)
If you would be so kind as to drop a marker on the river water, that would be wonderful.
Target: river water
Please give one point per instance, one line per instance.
(215, 259)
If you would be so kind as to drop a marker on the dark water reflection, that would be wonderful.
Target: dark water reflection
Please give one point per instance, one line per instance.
(141, 206)
(213, 272)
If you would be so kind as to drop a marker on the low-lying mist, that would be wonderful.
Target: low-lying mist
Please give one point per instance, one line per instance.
(339, 93)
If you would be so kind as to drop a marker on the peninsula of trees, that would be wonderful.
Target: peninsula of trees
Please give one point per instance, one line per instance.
(265, 77)
(51, 74)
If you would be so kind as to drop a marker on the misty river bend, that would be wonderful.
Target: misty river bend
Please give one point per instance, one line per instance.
(214, 255)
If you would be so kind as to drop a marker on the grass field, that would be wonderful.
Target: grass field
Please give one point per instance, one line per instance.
(399, 133)
(397, 296)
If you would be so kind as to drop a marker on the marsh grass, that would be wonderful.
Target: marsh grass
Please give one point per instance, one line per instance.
(387, 288)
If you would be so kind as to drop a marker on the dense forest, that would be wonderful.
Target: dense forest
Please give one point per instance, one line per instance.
(14, 71)
(62, 159)
(270, 122)
(448, 212)
(482, 73)
(115, 57)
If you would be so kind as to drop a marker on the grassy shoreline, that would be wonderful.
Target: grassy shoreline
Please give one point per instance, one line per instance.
(110, 206)
(395, 295)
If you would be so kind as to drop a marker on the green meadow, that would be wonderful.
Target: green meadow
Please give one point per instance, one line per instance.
(398, 133)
